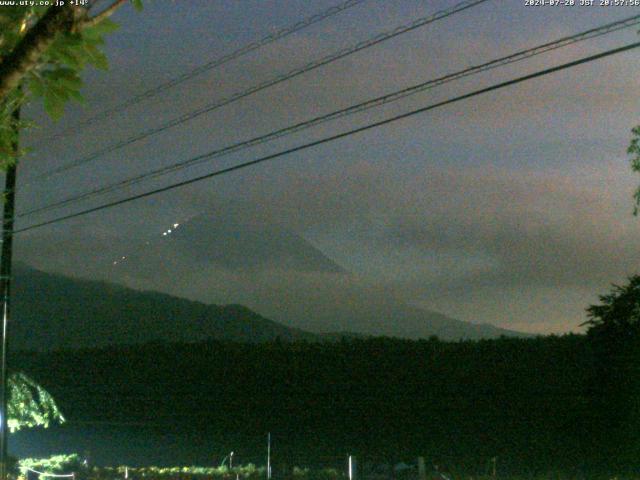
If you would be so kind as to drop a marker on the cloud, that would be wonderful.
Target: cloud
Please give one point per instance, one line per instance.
(496, 209)
(459, 231)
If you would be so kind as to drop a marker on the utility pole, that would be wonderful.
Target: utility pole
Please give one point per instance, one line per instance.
(5, 287)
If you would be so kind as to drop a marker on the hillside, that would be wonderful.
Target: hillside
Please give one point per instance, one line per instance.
(53, 311)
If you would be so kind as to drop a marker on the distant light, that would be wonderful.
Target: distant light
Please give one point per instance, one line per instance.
(169, 231)
(164, 234)
(176, 225)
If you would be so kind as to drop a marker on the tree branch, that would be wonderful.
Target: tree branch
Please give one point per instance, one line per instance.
(106, 13)
(27, 53)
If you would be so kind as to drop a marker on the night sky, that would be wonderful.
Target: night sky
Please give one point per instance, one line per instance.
(513, 208)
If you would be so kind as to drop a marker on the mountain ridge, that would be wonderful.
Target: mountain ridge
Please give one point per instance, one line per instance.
(53, 311)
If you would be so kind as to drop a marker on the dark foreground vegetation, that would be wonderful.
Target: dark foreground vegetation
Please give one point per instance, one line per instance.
(562, 406)
(544, 404)
(63, 464)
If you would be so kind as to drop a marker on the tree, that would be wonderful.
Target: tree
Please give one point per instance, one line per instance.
(30, 405)
(43, 50)
(614, 336)
(618, 315)
(634, 150)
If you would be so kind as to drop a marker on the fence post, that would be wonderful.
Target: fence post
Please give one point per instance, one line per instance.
(422, 472)
(353, 468)
(269, 456)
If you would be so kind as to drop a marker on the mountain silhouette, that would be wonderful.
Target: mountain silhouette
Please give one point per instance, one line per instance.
(56, 312)
(224, 239)
(229, 255)
(52, 311)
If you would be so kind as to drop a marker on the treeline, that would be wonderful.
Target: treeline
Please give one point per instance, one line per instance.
(535, 404)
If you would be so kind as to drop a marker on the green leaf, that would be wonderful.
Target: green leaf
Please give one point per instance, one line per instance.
(54, 105)
(36, 86)
(137, 4)
(95, 57)
(67, 77)
(77, 96)
(99, 30)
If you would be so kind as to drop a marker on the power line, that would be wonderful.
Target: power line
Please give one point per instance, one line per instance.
(331, 138)
(357, 108)
(250, 47)
(266, 84)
